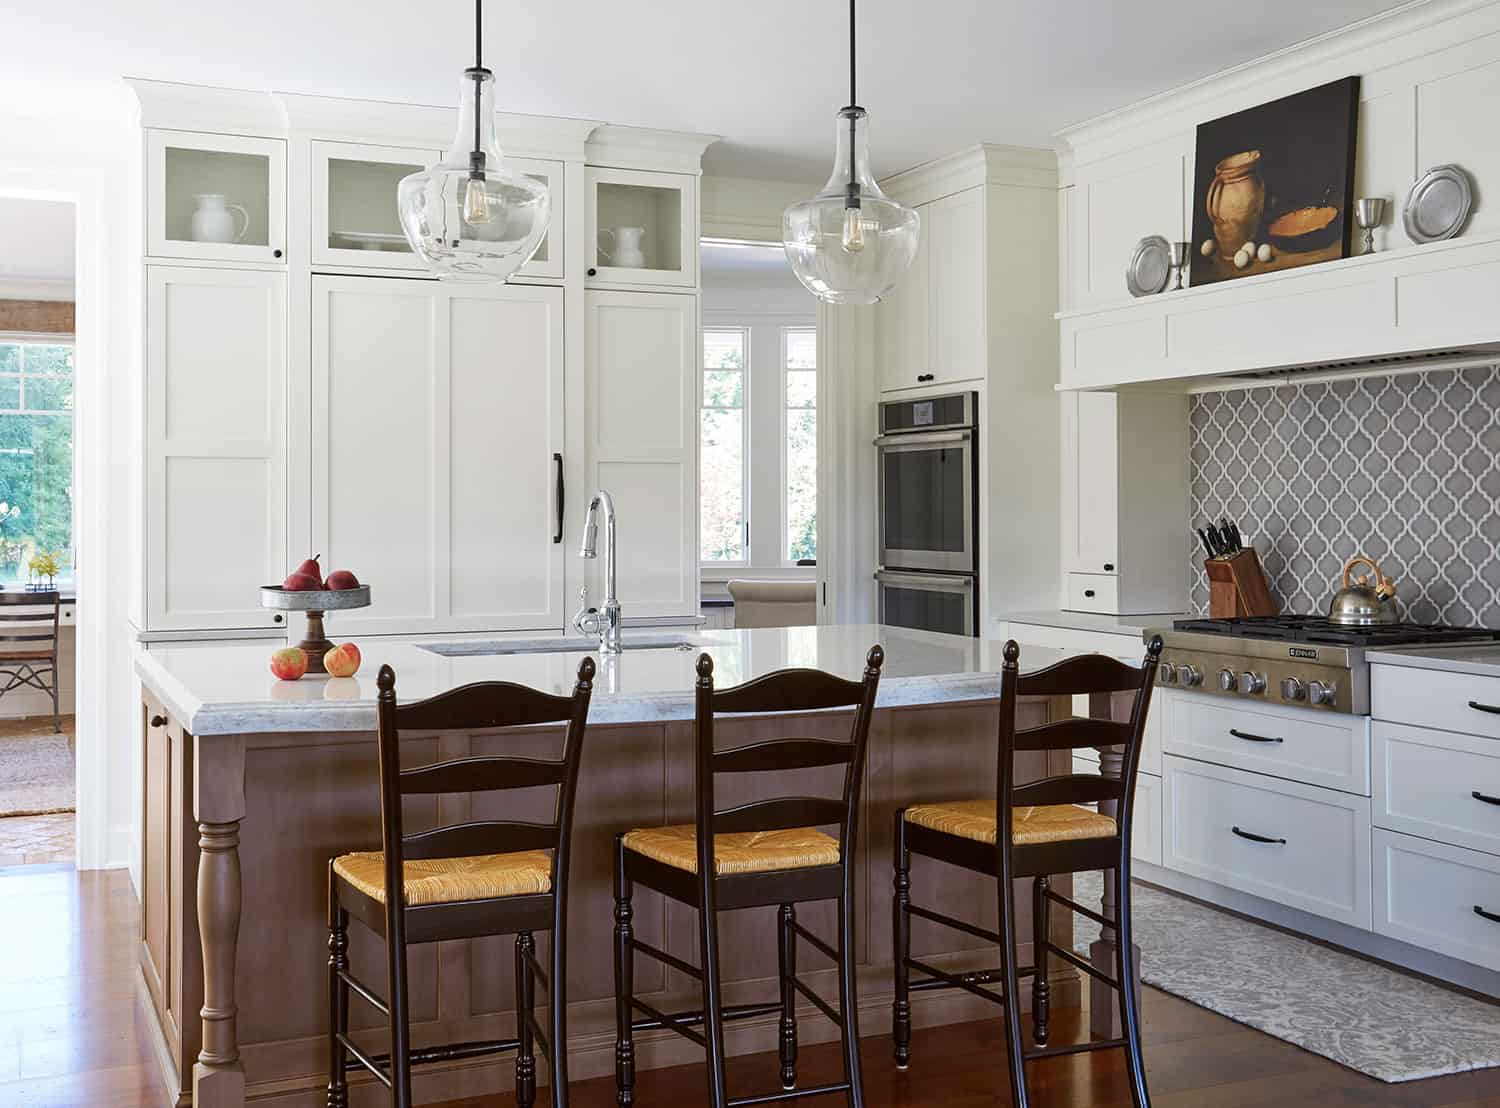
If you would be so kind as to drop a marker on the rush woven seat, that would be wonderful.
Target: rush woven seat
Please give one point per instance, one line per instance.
(742, 852)
(451, 880)
(1046, 823)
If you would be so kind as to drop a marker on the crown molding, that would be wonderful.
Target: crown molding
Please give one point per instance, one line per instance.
(623, 147)
(1377, 42)
(181, 107)
(983, 164)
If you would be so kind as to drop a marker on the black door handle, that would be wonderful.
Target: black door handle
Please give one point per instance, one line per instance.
(923, 377)
(1109, 567)
(158, 721)
(561, 497)
(1477, 795)
(1252, 738)
(1492, 709)
(593, 272)
(1088, 593)
(1478, 911)
(1254, 838)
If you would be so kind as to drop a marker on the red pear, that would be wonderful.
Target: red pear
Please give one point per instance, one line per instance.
(341, 579)
(301, 582)
(310, 568)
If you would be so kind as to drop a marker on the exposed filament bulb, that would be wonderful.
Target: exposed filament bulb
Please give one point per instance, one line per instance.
(476, 201)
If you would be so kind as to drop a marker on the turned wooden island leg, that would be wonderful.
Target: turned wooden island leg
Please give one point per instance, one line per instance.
(219, 805)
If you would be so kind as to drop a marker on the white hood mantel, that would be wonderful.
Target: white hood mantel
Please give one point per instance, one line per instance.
(1368, 314)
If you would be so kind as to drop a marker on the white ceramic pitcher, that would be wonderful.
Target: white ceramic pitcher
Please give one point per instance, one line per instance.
(213, 219)
(626, 247)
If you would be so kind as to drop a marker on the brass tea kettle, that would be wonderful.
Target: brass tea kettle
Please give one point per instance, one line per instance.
(1368, 599)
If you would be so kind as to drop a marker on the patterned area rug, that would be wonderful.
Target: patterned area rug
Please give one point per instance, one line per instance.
(36, 768)
(1361, 1015)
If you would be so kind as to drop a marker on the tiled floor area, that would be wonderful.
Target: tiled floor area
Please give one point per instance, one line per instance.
(33, 840)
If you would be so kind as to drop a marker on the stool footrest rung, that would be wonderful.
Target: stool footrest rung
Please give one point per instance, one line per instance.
(1074, 1048)
(1073, 905)
(1077, 962)
(968, 982)
(693, 1019)
(536, 968)
(369, 1062)
(817, 944)
(364, 992)
(451, 1052)
(957, 924)
(659, 1018)
(670, 959)
(818, 1002)
(788, 1094)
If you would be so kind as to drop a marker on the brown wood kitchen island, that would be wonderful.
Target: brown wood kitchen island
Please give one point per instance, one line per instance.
(252, 784)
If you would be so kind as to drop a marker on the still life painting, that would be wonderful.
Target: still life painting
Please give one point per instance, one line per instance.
(1274, 184)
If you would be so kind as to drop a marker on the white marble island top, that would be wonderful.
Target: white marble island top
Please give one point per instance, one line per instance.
(227, 688)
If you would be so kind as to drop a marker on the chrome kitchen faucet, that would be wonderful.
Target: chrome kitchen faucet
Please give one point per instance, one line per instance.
(605, 623)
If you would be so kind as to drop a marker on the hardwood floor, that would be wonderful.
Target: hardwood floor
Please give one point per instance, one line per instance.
(74, 1034)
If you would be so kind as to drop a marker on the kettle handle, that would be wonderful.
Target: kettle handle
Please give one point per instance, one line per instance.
(1361, 559)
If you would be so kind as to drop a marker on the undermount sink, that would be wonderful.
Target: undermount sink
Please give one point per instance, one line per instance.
(571, 644)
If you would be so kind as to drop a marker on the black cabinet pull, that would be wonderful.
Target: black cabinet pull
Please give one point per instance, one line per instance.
(1089, 593)
(1477, 795)
(557, 461)
(1248, 737)
(1254, 838)
(275, 253)
(158, 721)
(1492, 709)
(1109, 567)
(1480, 912)
(921, 377)
(593, 272)
(277, 618)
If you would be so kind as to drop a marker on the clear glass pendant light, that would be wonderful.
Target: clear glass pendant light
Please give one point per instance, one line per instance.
(466, 217)
(851, 243)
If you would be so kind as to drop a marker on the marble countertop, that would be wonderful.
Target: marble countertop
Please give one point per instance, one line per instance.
(227, 688)
(1091, 621)
(1481, 658)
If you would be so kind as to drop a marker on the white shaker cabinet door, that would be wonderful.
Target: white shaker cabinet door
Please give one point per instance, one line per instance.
(437, 419)
(641, 397)
(215, 444)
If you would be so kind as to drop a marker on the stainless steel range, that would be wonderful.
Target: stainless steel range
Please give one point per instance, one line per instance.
(1297, 661)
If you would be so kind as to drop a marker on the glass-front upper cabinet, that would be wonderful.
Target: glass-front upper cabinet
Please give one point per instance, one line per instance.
(355, 223)
(642, 227)
(220, 197)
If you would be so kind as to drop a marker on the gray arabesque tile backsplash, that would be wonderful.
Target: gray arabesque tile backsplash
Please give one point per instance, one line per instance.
(1405, 469)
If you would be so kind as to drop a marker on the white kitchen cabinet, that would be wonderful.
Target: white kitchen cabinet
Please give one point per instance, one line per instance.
(354, 218)
(931, 327)
(1124, 488)
(437, 438)
(216, 499)
(236, 187)
(641, 353)
(642, 228)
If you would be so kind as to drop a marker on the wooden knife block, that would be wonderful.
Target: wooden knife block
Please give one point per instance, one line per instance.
(1237, 586)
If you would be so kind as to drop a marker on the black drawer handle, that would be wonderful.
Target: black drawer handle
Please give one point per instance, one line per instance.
(1254, 838)
(921, 377)
(1477, 795)
(557, 535)
(1089, 593)
(1478, 911)
(158, 721)
(1492, 709)
(1109, 567)
(1248, 737)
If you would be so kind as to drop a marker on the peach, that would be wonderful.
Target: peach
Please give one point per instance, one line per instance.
(342, 661)
(289, 663)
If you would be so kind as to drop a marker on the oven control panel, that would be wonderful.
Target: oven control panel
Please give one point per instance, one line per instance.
(1290, 681)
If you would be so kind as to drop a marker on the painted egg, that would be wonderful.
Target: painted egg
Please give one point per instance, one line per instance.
(1265, 253)
(1242, 259)
(1207, 248)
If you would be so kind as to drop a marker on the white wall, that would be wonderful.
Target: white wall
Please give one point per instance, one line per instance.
(37, 248)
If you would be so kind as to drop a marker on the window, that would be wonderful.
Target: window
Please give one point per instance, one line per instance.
(799, 347)
(721, 478)
(36, 455)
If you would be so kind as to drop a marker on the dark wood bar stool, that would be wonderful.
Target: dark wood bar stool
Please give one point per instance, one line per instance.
(1047, 832)
(461, 881)
(762, 854)
(29, 624)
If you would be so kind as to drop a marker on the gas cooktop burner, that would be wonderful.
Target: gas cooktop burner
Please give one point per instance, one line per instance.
(1317, 629)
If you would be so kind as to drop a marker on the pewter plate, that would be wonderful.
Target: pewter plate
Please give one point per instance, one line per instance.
(314, 600)
(1437, 207)
(1150, 266)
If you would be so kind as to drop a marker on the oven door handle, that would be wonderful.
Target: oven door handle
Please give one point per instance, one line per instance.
(925, 580)
(926, 438)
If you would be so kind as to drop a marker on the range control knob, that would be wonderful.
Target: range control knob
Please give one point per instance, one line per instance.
(1191, 676)
(1252, 683)
(1167, 673)
(1292, 689)
(1227, 680)
(1322, 692)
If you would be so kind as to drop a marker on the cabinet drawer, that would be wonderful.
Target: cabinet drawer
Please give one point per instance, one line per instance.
(1432, 698)
(1425, 783)
(1093, 592)
(1426, 893)
(1332, 753)
(1319, 856)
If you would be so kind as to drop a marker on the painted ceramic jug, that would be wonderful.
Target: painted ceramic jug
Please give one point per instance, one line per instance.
(213, 219)
(1236, 201)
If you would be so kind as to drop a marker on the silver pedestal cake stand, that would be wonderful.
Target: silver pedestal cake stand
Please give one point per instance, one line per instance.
(314, 602)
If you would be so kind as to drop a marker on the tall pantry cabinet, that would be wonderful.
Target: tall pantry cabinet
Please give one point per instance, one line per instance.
(309, 388)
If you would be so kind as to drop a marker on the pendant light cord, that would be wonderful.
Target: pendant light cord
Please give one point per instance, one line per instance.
(852, 199)
(853, 100)
(476, 156)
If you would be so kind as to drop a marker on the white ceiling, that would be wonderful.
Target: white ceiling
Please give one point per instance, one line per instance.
(36, 240)
(765, 74)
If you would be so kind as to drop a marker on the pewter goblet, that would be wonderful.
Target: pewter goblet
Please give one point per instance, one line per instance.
(1369, 212)
(1181, 252)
